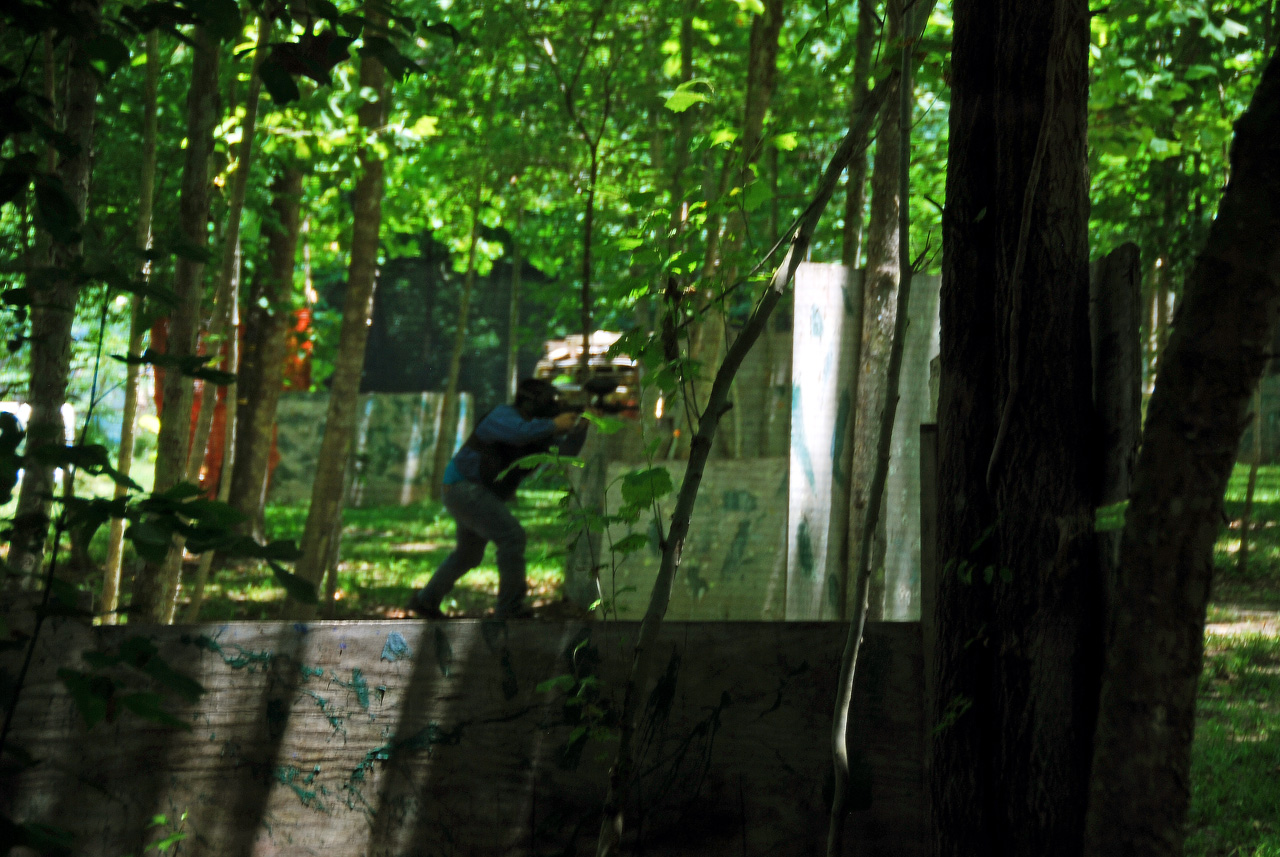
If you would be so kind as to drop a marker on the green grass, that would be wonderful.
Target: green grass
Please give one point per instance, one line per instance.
(1257, 585)
(386, 553)
(1235, 765)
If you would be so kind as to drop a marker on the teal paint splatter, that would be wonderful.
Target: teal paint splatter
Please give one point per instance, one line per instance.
(837, 438)
(804, 549)
(288, 775)
(361, 687)
(336, 720)
(310, 672)
(396, 648)
(797, 437)
(357, 685)
(847, 298)
(815, 323)
(242, 659)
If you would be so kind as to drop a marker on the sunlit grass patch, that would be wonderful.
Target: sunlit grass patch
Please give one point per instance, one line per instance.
(389, 551)
(1235, 765)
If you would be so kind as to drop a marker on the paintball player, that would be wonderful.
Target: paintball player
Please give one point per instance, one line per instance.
(476, 492)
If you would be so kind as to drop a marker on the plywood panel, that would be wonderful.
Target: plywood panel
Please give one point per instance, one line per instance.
(408, 738)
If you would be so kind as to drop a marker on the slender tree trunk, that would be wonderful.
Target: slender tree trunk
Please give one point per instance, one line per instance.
(1139, 789)
(1019, 604)
(856, 180)
(1255, 461)
(720, 266)
(447, 436)
(863, 569)
(266, 346)
(324, 519)
(513, 311)
(137, 329)
(156, 591)
(223, 487)
(54, 306)
(225, 296)
(879, 316)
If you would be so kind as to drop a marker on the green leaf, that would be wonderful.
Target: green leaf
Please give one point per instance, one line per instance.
(55, 211)
(299, 589)
(278, 82)
(685, 95)
(562, 683)
(630, 544)
(1110, 518)
(150, 540)
(106, 53)
(642, 487)
(220, 17)
(758, 193)
(91, 694)
(150, 706)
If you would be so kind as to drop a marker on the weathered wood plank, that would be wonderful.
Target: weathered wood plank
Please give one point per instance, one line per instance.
(405, 738)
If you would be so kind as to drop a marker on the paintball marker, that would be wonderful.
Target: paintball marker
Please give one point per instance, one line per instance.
(600, 396)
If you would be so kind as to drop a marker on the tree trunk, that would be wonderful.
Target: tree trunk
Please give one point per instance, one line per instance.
(54, 306)
(156, 591)
(1018, 607)
(225, 297)
(513, 310)
(266, 344)
(231, 363)
(879, 314)
(1140, 782)
(137, 330)
(720, 266)
(324, 518)
(1115, 307)
(448, 434)
(856, 179)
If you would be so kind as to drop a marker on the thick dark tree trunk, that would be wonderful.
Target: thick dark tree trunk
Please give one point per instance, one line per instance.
(156, 590)
(1019, 631)
(324, 518)
(1215, 356)
(266, 344)
(54, 308)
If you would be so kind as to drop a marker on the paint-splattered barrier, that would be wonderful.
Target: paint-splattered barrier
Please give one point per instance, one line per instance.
(473, 738)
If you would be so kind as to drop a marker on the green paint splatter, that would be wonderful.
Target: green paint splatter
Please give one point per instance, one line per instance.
(837, 437)
(310, 672)
(804, 549)
(833, 592)
(336, 720)
(288, 775)
(737, 553)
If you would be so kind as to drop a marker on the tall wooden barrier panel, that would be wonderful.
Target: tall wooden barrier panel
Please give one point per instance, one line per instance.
(472, 738)
(824, 336)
